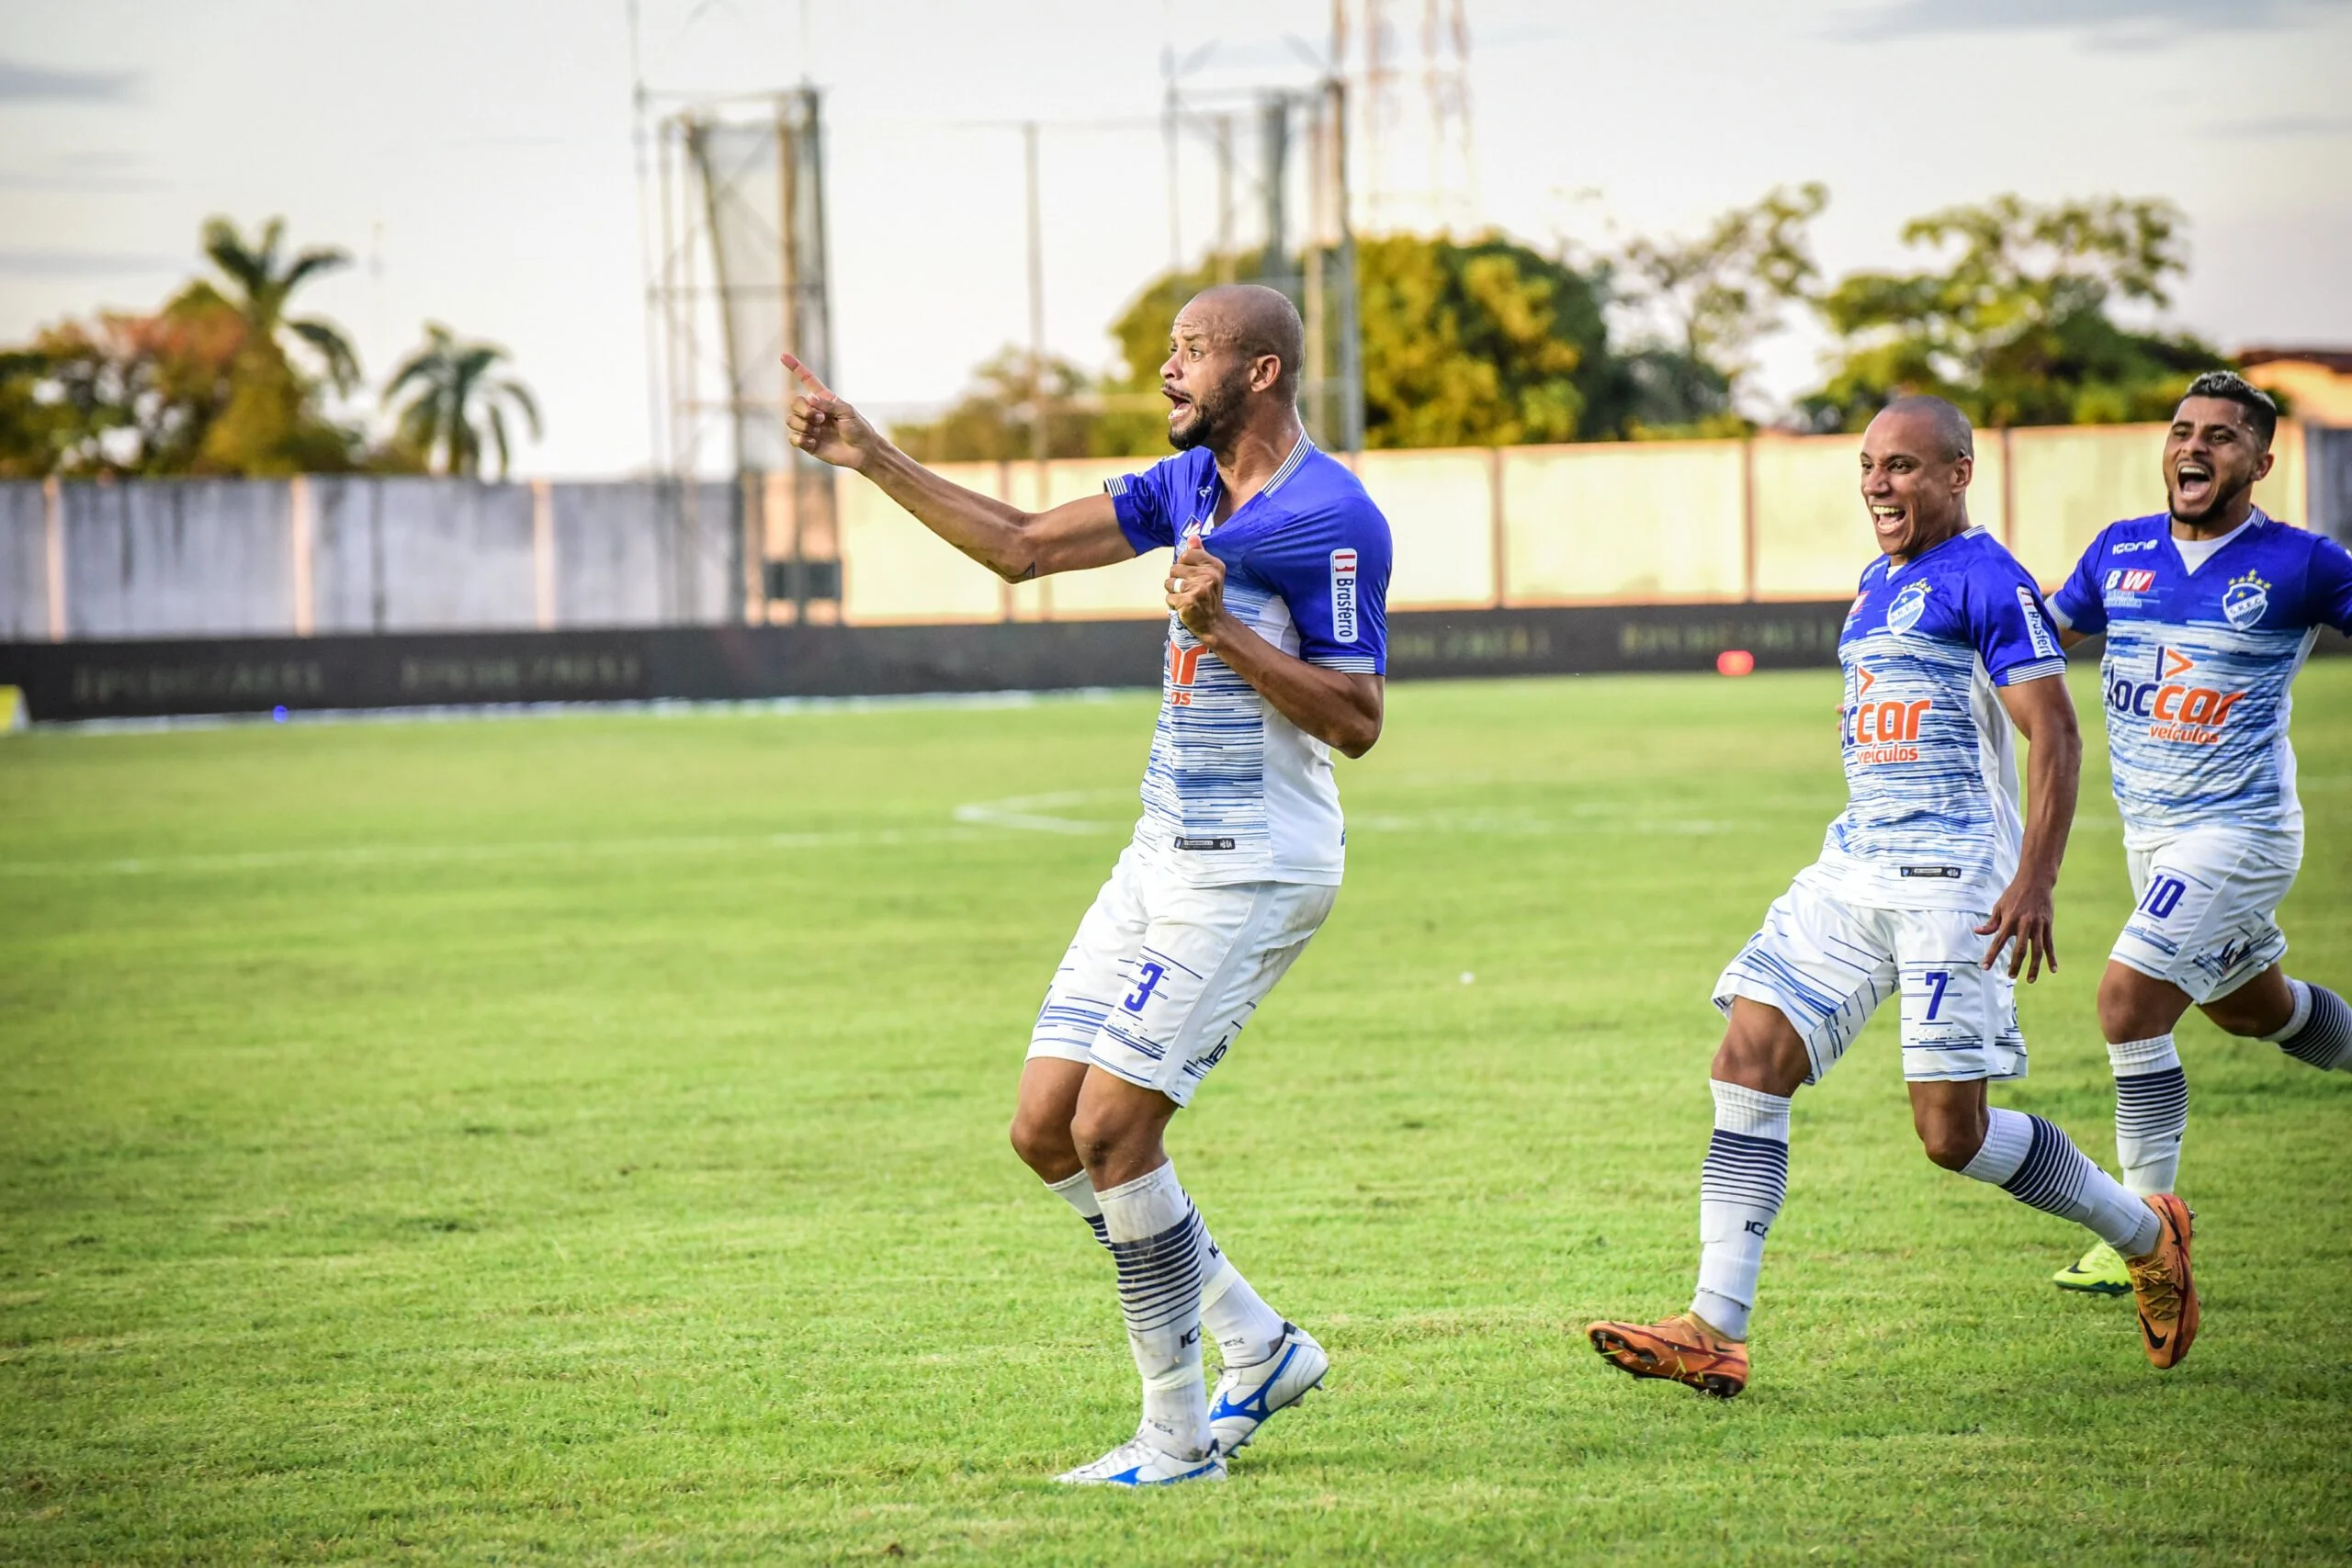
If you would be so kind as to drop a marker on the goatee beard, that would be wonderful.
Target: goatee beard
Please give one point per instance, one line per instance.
(2216, 509)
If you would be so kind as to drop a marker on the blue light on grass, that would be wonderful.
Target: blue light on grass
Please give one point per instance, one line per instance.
(279, 713)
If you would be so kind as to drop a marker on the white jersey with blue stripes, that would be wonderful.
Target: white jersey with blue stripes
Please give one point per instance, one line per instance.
(1931, 819)
(2200, 666)
(1234, 792)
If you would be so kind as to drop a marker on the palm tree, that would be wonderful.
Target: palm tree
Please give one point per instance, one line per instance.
(456, 402)
(264, 291)
(267, 419)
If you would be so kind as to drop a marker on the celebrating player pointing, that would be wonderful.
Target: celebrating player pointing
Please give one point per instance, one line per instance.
(1930, 889)
(2210, 608)
(1276, 656)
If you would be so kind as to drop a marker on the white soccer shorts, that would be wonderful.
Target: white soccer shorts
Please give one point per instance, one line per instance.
(1162, 974)
(1826, 966)
(2208, 904)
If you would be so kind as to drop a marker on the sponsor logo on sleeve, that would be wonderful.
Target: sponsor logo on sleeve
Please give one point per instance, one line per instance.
(2037, 625)
(1343, 596)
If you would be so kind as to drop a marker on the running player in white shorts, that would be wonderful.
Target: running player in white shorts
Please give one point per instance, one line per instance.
(1931, 887)
(1277, 655)
(2210, 609)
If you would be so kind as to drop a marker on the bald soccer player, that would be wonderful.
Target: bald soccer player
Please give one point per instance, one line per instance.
(1276, 657)
(1932, 890)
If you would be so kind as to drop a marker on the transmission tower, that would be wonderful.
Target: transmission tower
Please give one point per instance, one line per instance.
(1409, 80)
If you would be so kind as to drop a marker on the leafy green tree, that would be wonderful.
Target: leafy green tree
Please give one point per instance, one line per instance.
(2015, 328)
(1716, 296)
(123, 395)
(271, 420)
(995, 420)
(1466, 343)
(456, 401)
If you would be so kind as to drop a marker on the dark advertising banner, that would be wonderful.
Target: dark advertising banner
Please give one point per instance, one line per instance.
(122, 679)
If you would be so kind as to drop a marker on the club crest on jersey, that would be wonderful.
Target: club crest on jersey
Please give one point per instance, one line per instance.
(2245, 600)
(1343, 596)
(1903, 613)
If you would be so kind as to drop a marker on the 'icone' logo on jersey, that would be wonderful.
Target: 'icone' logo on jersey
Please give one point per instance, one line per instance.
(1343, 596)
(2245, 600)
(2181, 710)
(1903, 613)
(1882, 731)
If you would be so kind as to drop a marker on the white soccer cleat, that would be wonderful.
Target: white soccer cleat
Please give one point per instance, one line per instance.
(1140, 1461)
(1246, 1396)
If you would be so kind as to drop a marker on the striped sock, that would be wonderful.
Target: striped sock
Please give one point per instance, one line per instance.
(1740, 1189)
(2319, 1032)
(2039, 1165)
(1159, 1244)
(1247, 1330)
(2151, 1113)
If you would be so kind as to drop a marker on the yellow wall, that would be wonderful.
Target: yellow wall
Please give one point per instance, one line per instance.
(1441, 516)
(1132, 590)
(1639, 521)
(893, 568)
(2313, 391)
(1659, 521)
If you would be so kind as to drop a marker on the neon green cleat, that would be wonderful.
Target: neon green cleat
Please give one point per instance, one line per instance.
(2099, 1272)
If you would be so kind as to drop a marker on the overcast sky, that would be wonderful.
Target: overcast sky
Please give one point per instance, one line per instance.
(475, 155)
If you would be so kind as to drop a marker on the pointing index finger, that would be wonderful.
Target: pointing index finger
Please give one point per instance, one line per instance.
(807, 376)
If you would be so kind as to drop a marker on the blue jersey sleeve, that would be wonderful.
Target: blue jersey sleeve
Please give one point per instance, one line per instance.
(2078, 606)
(1333, 571)
(1145, 504)
(2012, 631)
(2328, 584)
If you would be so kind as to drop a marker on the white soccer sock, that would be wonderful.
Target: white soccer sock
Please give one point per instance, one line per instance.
(1741, 1185)
(2039, 1165)
(2319, 1032)
(1159, 1243)
(1247, 1330)
(1078, 1191)
(2150, 1113)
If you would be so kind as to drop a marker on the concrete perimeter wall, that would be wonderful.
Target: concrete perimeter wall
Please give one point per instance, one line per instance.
(1772, 519)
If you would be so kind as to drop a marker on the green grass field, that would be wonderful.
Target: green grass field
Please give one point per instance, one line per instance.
(581, 1139)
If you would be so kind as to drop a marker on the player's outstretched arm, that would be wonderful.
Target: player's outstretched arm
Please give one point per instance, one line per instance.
(1015, 545)
(2045, 714)
(1339, 707)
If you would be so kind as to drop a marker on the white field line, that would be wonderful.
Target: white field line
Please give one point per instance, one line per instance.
(976, 820)
(364, 855)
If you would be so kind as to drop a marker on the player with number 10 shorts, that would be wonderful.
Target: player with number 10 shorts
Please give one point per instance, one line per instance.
(2210, 609)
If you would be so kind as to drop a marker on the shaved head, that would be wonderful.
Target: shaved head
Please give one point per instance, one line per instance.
(1951, 427)
(1256, 321)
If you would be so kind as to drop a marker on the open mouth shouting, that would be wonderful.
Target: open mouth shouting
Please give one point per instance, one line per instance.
(1891, 518)
(2192, 485)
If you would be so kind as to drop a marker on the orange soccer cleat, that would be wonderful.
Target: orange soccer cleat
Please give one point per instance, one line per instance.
(1683, 1348)
(2164, 1287)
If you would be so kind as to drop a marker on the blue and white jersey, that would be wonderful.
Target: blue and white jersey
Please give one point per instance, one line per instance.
(1931, 819)
(1234, 791)
(2199, 665)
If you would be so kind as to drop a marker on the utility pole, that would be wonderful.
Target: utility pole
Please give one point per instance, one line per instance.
(1273, 148)
(1037, 439)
